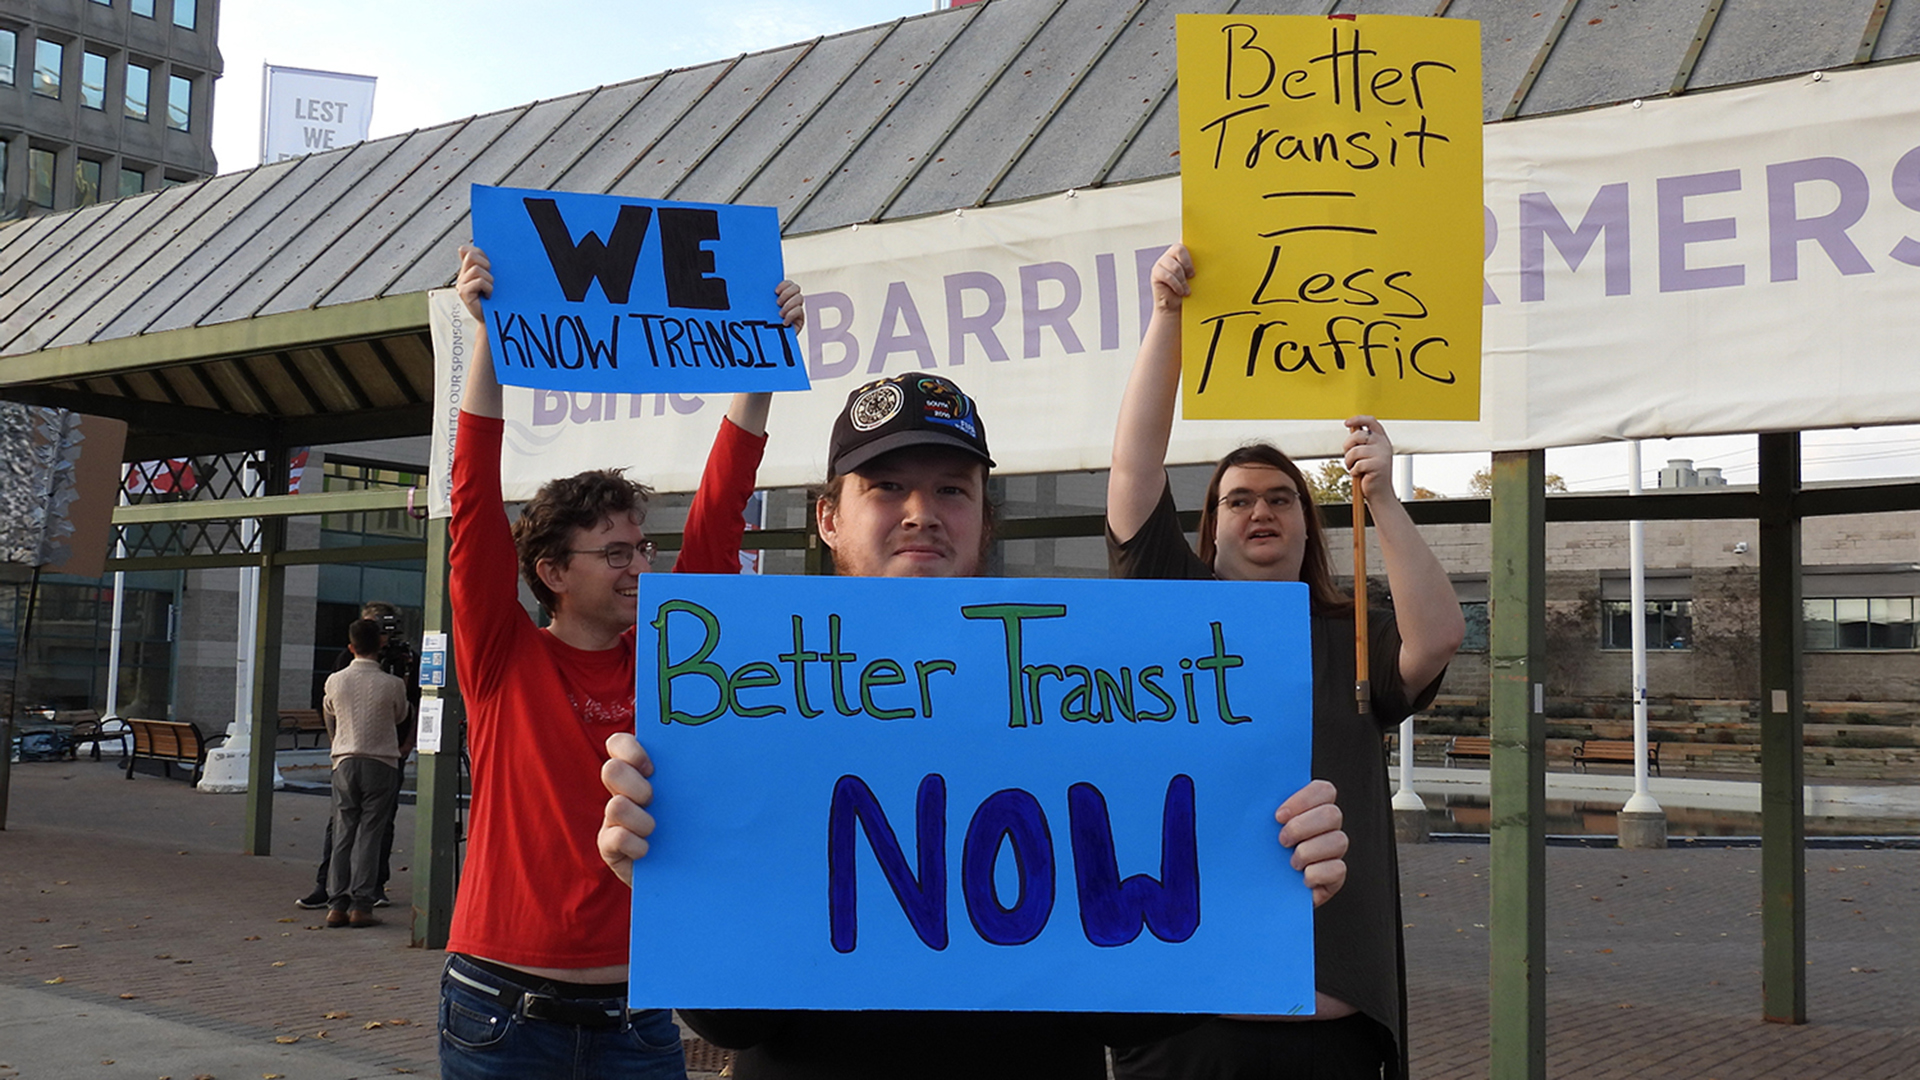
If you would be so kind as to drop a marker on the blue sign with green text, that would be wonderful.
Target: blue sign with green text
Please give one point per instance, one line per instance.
(603, 293)
(972, 793)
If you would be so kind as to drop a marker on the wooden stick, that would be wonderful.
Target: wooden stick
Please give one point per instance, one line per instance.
(1362, 692)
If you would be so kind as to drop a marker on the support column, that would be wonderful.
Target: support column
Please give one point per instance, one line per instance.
(269, 628)
(436, 818)
(1783, 823)
(1518, 588)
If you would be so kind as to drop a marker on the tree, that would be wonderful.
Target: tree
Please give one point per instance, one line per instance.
(1482, 483)
(1330, 483)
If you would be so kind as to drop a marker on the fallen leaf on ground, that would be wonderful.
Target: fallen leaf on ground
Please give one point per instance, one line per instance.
(279, 963)
(286, 1040)
(337, 1016)
(56, 980)
(370, 1025)
(129, 997)
(66, 946)
(286, 920)
(251, 937)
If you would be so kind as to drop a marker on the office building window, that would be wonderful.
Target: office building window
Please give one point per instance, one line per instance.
(1669, 624)
(40, 178)
(138, 80)
(1844, 608)
(179, 103)
(183, 13)
(1668, 614)
(86, 182)
(1477, 637)
(93, 80)
(142, 7)
(132, 182)
(1471, 591)
(9, 48)
(47, 57)
(104, 3)
(1859, 622)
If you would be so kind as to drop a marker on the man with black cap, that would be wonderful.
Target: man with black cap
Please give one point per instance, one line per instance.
(906, 496)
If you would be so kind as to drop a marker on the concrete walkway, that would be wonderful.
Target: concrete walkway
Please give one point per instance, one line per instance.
(135, 941)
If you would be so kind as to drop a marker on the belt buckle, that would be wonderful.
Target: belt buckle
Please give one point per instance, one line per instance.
(559, 1010)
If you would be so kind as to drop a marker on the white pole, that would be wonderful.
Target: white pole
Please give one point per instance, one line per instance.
(1641, 802)
(248, 596)
(119, 610)
(1405, 798)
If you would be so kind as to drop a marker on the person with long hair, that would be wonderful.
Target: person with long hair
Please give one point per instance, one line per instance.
(1259, 523)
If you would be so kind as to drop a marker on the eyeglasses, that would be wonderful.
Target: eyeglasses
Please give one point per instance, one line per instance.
(1241, 503)
(620, 556)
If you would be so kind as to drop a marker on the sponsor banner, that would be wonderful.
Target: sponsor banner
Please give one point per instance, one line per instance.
(308, 112)
(1741, 260)
(972, 794)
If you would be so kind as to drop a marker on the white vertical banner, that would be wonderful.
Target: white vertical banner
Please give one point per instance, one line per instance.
(307, 112)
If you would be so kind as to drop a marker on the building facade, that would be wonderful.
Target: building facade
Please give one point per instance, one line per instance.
(103, 98)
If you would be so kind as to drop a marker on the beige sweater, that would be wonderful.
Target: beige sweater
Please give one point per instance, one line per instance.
(364, 708)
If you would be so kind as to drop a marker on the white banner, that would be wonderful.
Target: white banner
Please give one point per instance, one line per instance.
(307, 112)
(1737, 261)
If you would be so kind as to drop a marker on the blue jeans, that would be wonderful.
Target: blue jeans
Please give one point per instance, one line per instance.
(486, 1034)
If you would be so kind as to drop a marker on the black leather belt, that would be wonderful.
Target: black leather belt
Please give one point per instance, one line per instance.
(598, 1015)
(594, 1013)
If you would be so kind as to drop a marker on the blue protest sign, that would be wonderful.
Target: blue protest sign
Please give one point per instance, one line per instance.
(972, 794)
(602, 293)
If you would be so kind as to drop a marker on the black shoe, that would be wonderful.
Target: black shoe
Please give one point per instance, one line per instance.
(383, 901)
(313, 901)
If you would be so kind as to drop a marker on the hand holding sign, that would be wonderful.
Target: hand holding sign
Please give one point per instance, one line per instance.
(1330, 174)
(601, 293)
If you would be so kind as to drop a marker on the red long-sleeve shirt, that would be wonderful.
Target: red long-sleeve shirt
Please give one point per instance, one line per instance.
(534, 892)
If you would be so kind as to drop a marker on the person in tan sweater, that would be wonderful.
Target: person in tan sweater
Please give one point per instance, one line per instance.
(364, 709)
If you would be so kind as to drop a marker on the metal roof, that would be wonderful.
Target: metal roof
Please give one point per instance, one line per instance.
(280, 305)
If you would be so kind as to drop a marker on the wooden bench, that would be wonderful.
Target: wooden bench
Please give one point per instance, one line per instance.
(168, 742)
(298, 722)
(86, 728)
(1613, 752)
(1472, 747)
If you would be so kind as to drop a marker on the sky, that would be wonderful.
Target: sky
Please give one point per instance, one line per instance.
(436, 64)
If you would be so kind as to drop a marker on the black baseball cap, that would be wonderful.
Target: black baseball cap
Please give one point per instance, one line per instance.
(906, 410)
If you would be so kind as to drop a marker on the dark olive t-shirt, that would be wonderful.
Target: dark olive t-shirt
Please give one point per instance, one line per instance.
(1358, 953)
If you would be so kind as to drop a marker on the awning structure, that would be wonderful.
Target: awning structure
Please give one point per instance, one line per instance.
(284, 303)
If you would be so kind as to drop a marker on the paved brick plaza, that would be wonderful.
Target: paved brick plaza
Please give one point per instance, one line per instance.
(132, 895)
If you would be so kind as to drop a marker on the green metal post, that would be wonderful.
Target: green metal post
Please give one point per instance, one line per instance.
(436, 832)
(268, 628)
(1783, 823)
(1518, 588)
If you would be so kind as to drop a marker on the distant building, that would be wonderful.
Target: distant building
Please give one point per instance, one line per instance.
(103, 98)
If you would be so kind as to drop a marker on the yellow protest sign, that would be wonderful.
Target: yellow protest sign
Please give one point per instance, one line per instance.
(1331, 197)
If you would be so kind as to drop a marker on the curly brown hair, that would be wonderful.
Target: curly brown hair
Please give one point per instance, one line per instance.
(545, 528)
(1316, 568)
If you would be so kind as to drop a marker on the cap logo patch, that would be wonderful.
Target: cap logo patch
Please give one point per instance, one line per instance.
(875, 407)
(943, 403)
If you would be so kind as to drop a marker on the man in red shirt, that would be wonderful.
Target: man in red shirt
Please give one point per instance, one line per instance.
(536, 974)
